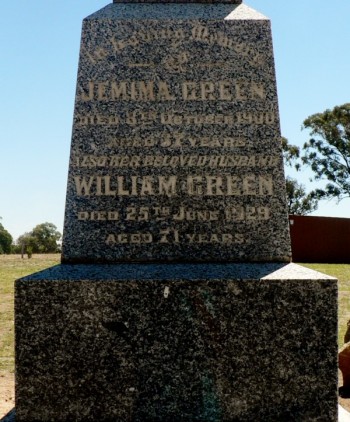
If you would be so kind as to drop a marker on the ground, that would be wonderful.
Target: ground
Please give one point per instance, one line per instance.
(7, 393)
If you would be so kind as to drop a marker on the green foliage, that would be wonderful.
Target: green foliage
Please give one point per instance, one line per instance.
(5, 240)
(299, 202)
(291, 154)
(42, 239)
(328, 151)
(29, 251)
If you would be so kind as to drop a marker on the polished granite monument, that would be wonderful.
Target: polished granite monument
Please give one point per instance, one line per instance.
(176, 299)
(176, 152)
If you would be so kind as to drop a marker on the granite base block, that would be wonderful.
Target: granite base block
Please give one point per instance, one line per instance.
(205, 342)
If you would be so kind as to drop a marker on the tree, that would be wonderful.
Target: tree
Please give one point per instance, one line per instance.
(5, 240)
(26, 243)
(299, 202)
(291, 154)
(328, 151)
(42, 239)
(46, 236)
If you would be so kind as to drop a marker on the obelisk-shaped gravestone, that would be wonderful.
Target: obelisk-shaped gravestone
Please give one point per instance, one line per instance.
(176, 151)
(175, 300)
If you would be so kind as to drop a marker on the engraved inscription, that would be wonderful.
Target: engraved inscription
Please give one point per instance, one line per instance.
(177, 119)
(176, 161)
(178, 140)
(240, 90)
(175, 145)
(137, 214)
(177, 37)
(226, 185)
(173, 236)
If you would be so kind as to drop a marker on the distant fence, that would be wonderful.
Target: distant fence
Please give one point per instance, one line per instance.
(320, 239)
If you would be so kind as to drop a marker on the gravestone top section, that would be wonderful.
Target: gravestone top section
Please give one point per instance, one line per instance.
(177, 11)
(176, 153)
(184, 2)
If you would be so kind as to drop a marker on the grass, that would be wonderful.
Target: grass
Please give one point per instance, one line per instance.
(13, 267)
(342, 273)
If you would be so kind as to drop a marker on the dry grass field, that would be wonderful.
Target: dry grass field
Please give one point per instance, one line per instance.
(342, 273)
(13, 267)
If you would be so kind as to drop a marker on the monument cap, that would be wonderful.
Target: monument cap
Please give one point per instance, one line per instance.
(179, 1)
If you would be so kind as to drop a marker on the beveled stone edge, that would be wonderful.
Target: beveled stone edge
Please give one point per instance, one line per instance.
(10, 416)
(294, 271)
(179, 1)
(177, 272)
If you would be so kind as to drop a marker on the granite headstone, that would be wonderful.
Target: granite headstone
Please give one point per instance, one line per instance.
(176, 152)
(175, 299)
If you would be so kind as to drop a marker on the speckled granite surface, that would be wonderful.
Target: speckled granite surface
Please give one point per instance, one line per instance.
(174, 302)
(176, 345)
(176, 150)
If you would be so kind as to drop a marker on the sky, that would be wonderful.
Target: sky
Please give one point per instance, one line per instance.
(39, 47)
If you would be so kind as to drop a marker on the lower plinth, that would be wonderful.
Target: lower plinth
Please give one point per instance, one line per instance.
(205, 342)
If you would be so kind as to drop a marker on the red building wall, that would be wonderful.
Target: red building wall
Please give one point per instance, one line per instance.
(320, 239)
